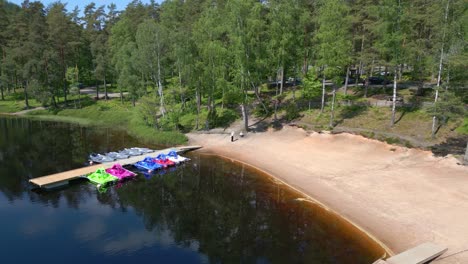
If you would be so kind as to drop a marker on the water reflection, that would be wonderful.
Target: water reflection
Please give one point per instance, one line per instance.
(208, 210)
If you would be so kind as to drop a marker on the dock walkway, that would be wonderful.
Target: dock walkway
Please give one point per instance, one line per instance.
(62, 178)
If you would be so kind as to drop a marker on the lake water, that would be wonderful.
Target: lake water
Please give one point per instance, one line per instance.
(209, 210)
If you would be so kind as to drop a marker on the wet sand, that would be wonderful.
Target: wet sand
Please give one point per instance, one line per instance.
(400, 196)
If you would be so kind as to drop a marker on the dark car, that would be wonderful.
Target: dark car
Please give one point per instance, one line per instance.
(378, 80)
(352, 80)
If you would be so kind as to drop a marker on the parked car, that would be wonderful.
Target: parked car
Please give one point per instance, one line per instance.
(352, 80)
(378, 80)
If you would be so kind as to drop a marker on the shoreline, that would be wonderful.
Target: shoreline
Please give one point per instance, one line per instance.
(388, 192)
(311, 199)
(145, 134)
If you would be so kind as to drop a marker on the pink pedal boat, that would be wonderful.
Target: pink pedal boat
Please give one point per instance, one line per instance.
(118, 171)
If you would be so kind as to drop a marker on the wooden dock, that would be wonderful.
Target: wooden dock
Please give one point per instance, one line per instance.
(62, 178)
(420, 254)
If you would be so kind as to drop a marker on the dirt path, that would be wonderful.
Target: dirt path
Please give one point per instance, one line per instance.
(26, 111)
(91, 91)
(402, 196)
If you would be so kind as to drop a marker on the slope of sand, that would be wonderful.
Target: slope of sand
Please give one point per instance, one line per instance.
(401, 196)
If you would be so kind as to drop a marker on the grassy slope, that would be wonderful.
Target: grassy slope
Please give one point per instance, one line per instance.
(114, 114)
(415, 124)
(412, 123)
(12, 104)
(463, 129)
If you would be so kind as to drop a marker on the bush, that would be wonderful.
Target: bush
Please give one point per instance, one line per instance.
(225, 117)
(259, 110)
(292, 112)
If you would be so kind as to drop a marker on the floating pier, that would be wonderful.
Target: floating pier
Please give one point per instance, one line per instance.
(62, 178)
(421, 254)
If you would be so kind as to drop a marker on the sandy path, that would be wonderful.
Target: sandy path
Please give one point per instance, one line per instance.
(402, 196)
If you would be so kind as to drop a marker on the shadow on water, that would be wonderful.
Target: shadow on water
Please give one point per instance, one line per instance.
(208, 210)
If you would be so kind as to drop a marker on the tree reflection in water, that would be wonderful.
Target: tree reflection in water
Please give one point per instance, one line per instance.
(225, 212)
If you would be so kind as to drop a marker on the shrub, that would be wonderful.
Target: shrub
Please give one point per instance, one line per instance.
(292, 112)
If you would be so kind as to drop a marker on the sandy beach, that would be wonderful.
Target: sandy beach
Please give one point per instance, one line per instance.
(400, 196)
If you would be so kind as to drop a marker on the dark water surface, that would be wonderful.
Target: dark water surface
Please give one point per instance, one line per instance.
(207, 211)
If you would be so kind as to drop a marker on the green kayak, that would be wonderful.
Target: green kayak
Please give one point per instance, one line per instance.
(101, 177)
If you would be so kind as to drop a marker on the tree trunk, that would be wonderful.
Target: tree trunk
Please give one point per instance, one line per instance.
(16, 82)
(366, 86)
(439, 74)
(282, 80)
(1, 89)
(332, 115)
(105, 88)
(64, 73)
(182, 99)
(97, 91)
(448, 79)
(346, 81)
(198, 99)
(276, 109)
(26, 101)
(79, 98)
(323, 93)
(434, 118)
(385, 79)
(162, 109)
(466, 153)
(65, 92)
(394, 96)
(245, 117)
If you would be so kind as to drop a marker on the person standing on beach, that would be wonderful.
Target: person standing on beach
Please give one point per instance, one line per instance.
(232, 136)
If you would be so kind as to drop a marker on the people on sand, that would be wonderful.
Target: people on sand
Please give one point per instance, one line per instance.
(232, 136)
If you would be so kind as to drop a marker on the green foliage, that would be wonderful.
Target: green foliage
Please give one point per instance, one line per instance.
(448, 106)
(225, 117)
(41, 93)
(72, 76)
(232, 97)
(463, 129)
(312, 85)
(147, 110)
(292, 112)
(188, 64)
(333, 38)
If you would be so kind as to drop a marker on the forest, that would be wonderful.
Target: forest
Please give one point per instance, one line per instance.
(200, 64)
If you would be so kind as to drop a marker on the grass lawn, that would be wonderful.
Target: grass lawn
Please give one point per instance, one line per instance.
(113, 114)
(14, 103)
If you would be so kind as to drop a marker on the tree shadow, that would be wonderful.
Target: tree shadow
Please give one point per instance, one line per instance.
(453, 145)
(403, 113)
(350, 111)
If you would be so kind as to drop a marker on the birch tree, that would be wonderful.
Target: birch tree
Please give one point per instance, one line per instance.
(150, 48)
(390, 40)
(334, 45)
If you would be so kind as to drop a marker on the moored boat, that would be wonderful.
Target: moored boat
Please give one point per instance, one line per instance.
(116, 155)
(130, 152)
(173, 156)
(101, 177)
(163, 160)
(148, 164)
(143, 150)
(118, 171)
(99, 158)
